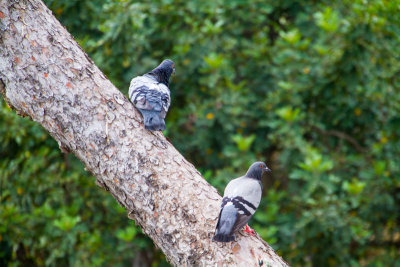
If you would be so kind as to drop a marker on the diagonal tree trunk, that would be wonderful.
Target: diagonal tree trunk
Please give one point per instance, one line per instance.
(46, 76)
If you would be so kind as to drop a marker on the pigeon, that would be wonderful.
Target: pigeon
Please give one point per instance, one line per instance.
(150, 94)
(241, 199)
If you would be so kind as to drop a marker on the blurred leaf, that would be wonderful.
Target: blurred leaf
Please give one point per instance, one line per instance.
(243, 143)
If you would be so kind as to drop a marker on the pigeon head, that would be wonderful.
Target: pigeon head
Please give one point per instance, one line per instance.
(257, 169)
(163, 71)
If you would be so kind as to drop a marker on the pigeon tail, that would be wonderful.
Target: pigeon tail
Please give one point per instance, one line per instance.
(224, 238)
(152, 120)
(225, 224)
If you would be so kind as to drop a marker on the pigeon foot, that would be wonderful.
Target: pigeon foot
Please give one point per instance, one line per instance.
(249, 230)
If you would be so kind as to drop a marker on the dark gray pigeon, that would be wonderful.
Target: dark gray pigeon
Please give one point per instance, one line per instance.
(241, 199)
(151, 96)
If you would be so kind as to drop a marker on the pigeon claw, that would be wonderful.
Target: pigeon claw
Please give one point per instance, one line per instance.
(249, 230)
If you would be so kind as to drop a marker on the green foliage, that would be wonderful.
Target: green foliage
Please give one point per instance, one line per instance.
(52, 214)
(311, 87)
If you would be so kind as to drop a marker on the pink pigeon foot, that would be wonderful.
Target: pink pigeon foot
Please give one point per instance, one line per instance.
(249, 230)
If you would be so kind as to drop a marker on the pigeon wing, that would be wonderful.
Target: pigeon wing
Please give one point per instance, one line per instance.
(147, 94)
(245, 194)
(241, 220)
(226, 222)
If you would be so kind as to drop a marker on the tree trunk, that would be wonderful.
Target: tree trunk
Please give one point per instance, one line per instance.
(46, 76)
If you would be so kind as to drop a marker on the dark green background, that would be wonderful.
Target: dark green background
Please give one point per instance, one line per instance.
(310, 87)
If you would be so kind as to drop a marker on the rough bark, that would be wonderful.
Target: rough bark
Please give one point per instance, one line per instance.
(45, 75)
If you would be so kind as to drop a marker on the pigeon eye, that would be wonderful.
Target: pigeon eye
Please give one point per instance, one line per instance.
(261, 165)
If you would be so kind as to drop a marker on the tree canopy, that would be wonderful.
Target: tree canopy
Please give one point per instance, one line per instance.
(310, 87)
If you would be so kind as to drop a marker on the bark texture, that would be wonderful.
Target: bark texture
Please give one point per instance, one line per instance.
(46, 76)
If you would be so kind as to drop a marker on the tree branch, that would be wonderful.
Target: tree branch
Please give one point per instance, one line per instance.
(48, 77)
(341, 135)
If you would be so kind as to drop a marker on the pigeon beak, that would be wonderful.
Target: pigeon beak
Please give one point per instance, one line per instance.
(173, 71)
(266, 169)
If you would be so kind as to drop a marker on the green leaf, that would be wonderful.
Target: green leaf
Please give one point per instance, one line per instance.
(127, 234)
(66, 223)
(243, 143)
(288, 113)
